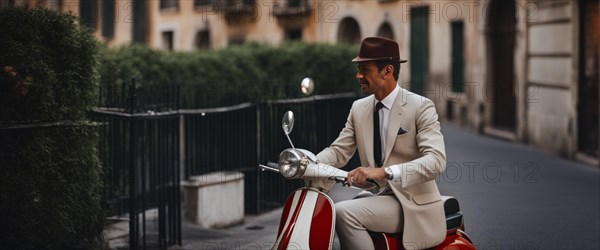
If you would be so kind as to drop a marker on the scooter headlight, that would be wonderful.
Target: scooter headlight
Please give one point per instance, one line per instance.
(292, 163)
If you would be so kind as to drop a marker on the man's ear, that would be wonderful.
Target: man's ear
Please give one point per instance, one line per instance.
(389, 70)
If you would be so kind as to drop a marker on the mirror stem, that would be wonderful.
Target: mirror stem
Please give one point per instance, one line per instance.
(290, 140)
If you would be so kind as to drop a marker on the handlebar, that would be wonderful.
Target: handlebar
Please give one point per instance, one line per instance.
(344, 182)
(271, 166)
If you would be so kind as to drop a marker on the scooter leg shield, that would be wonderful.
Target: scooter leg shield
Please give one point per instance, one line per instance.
(307, 221)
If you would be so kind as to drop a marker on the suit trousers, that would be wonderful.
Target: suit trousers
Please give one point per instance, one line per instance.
(381, 213)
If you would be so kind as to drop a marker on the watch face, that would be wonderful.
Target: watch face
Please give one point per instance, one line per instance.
(389, 172)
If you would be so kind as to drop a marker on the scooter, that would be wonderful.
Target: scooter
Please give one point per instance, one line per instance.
(308, 218)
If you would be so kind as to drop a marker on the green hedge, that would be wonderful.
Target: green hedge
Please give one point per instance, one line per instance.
(51, 178)
(237, 74)
(50, 188)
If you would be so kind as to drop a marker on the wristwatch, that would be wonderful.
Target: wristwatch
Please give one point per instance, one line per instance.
(389, 172)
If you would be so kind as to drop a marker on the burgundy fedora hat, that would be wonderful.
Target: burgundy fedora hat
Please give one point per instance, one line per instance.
(378, 49)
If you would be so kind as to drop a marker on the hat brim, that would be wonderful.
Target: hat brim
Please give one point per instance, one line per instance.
(362, 59)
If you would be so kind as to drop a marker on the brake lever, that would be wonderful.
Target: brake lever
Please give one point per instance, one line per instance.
(342, 180)
(369, 180)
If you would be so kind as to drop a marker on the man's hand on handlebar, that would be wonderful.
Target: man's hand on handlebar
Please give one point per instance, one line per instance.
(361, 175)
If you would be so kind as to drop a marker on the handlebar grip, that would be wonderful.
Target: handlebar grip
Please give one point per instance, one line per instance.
(340, 179)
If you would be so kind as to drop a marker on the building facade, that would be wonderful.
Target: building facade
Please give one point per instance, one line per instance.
(522, 70)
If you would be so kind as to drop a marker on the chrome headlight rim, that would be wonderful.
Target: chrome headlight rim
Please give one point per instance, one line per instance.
(292, 163)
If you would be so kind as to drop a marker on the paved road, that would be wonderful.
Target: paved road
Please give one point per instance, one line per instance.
(516, 197)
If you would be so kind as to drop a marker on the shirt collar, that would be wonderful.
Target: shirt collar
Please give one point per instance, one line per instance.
(388, 101)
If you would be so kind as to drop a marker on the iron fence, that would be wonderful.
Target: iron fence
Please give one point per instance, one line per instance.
(240, 137)
(140, 157)
(145, 155)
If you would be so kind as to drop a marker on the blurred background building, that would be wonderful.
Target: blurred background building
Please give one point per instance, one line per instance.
(524, 70)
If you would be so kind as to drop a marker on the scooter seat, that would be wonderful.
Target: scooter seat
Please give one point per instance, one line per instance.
(454, 217)
(454, 239)
(454, 221)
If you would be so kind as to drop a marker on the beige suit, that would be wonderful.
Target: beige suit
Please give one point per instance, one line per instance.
(419, 153)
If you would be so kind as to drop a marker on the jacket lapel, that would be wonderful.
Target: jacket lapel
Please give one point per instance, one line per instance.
(395, 122)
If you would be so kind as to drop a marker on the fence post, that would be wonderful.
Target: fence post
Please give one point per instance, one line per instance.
(132, 100)
(132, 103)
(259, 150)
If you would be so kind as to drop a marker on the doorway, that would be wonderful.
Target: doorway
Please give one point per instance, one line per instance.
(419, 41)
(500, 90)
(587, 108)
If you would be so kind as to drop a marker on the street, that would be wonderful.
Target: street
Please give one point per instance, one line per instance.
(516, 197)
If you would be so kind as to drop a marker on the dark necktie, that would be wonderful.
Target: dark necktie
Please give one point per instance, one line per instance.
(376, 135)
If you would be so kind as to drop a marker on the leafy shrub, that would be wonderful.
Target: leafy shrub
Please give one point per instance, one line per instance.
(51, 177)
(237, 74)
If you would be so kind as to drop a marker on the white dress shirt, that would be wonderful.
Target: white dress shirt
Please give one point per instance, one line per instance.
(384, 120)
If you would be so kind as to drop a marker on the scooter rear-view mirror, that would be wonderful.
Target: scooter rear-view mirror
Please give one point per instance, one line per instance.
(288, 124)
(307, 86)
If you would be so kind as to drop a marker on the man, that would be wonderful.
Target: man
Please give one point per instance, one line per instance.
(397, 136)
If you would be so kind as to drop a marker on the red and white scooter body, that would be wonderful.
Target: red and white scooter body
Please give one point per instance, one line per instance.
(307, 221)
(308, 217)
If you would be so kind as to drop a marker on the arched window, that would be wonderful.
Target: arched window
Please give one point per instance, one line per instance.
(349, 31)
(385, 31)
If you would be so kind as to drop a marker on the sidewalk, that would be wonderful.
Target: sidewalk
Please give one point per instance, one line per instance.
(257, 231)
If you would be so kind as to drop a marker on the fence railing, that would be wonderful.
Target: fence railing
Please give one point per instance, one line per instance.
(240, 137)
(146, 154)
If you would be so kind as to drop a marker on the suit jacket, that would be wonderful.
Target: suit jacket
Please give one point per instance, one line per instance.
(414, 144)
